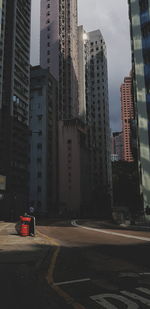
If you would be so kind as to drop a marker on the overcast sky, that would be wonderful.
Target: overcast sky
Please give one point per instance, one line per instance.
(111, 17)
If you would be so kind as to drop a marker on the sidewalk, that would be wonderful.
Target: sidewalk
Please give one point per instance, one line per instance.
(137, 227)
(24, 263)
(24, 249)
(23, 267)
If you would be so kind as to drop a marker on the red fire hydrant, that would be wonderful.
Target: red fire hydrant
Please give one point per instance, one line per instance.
(25, 226)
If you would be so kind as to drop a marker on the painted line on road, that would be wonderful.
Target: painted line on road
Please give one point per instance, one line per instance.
(143, 300)
(72, 281)
(73, 222)
(146, 274)
(105, 300)
(67, 298)
(51, 269)
(52, 240)
(144, 290)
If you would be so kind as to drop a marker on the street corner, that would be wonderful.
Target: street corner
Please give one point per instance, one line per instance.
(21, 250)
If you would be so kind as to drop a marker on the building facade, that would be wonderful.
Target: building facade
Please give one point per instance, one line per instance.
(82, 75)
(117, 146)
(2, 37)
(127, 116)
(97, 115)
(139, 14)
(74, 172)
(15, 104)
(43, 142)
(59, 51)
(78, 61)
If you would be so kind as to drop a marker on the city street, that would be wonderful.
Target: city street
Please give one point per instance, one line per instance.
(75, 143)
(67, 265)
(106, 268)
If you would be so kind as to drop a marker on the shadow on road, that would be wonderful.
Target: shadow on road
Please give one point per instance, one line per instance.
(23, 270)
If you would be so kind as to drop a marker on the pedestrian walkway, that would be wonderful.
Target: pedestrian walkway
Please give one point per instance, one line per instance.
(21, 249)
(24, 263)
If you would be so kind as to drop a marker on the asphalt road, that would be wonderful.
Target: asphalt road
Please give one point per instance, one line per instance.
(103, 268)
(89, 266)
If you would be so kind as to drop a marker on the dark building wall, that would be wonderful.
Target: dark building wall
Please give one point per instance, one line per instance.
(43, 127)
(139, 14)
(15, 106)
(59, 51)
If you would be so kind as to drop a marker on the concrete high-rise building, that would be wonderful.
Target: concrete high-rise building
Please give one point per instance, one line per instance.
(74, 173)
(59, 51)
(43, 141)
(2, 36)
(15, 104)
(117, 146)
(78, 61)
(82, 75)
(139, 13)
(97, 112)
(127, 115)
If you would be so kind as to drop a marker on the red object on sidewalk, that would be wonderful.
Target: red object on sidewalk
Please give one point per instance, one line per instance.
(25, 226)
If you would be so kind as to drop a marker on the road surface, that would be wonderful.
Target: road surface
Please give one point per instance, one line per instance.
(80, 265)
(97, 267)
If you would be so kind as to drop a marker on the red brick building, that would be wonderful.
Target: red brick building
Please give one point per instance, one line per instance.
(127, 115)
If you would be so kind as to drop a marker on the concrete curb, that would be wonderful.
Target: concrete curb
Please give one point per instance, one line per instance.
(105, 224)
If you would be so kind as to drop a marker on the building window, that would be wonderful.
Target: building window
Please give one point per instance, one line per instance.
(39, 117)
(40, 92)
(39, 189)
(39, 146)
(39, 174)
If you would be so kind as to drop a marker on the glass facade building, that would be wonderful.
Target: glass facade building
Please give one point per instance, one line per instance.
(139, 13)
(14, 104)
(145, 31)
(2, 26)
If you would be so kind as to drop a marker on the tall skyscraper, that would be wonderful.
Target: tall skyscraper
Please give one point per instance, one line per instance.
(117, 146)
(59, 51)
(74, 173)
(43, 141)
(127, 115)
(79, 63)
(97, 112)
(15, 103)
(139, 13)
(2, 36)
(82, 75)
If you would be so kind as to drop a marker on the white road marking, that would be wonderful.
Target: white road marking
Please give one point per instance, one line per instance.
(142, 299)
(110, 233)
(144, 274)
(144, 290)
(72, 281)
(101, 300)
